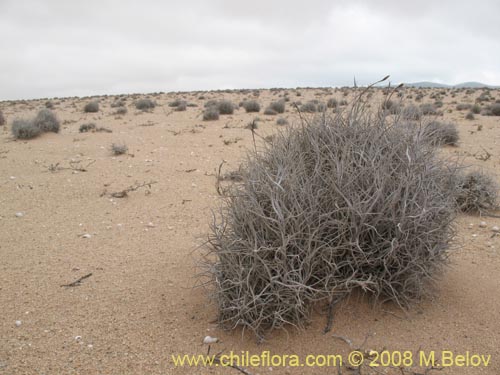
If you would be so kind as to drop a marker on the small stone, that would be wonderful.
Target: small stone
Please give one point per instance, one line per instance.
(483, 224)
(90, 346)
(19, 214)
(86, 235)
(210, 340)
(474, 235)
(471, 226)
(151, 225)
(18, 323)
(495, 229)
(78, 338)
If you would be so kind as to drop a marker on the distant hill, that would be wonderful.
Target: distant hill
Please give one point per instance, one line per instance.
(469, 85)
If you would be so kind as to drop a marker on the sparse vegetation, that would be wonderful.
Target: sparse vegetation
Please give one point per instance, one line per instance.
(91, 107)
(2, 119)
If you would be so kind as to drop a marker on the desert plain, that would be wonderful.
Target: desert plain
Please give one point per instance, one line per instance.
(63, 215)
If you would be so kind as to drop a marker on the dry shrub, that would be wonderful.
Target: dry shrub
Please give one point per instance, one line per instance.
(2, 119)
(25, 129)
(211, 114)
(251, 106)
(91, 107)
(477, 192)
(324, 208)
(441, 133)
(119, 148)
(47, 121)
(145, 104)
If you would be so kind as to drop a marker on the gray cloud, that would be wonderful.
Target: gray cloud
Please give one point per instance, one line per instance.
(63, 48)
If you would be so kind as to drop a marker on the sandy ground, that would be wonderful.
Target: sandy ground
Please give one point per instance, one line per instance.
(139, 306)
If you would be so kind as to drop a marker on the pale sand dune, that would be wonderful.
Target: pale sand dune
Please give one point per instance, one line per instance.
(139, 305)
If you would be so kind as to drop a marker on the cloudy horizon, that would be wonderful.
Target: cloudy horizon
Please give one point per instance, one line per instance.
(56, 48)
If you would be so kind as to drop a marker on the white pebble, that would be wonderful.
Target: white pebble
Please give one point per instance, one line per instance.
(18, 323)
(78, 338)
(19, 214)
(86, 235)
(495, 229)
(90, 346)
(151, 225)
(474, 235)
(210, 340)
(483, 224)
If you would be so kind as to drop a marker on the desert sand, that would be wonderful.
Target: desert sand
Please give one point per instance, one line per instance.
(140, 305)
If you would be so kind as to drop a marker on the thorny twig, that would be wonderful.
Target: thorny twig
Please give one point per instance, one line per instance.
(124, 193)
(77, 282)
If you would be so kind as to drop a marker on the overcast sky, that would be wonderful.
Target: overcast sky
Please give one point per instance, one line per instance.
(60, 48)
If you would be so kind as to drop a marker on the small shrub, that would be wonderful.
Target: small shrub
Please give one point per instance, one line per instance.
(49, 104)
(278, 107)
(91, 107)
(411, 112)
(210, 114)
(477, 192)
(119, 148)
(46, 121)
(225, 107)
(270, 111)
(428, 109)
(84, 128)
(25, 129)
(476, 109)
(439, 133)
(182, 106)
(495, 109)
(332, 103)
(145, 104)
(469, 116)
(118, 103)
(463, 106)
(2, 119)
(121, 111)
(309, 107)
(282, 121)
(176, 103)
(251, 106)
(211, 103)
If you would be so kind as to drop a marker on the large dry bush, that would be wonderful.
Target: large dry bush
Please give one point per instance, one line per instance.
(342, 203)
